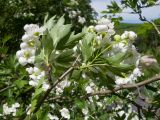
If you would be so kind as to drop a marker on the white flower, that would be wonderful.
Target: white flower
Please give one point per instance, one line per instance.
(52, 106)
(65, 113)
(89, 89)
(52, 117)
(10, 110)
(86, 117)
(120, 47)
(128, 35)
(81, 20)
(105, 25)
(45, 86)
(24, 45)
(125, 35)
(85, 111)
(132, 35)
(30, 70)
(23, 61)
(16, 105)
(26, 56)
(101, 28)
(72, 14)
(121, 81)
(99, 104)
(37, 74)
(137, 72)
(60, 87)
(104, 21)
(34, 30)
(6, 110)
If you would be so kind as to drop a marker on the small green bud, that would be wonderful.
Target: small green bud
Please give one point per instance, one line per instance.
(117, 37)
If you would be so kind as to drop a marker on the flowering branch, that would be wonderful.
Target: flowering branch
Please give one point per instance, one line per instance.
(127, 86)
(57, 81)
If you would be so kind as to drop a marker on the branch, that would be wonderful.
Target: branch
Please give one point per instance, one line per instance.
(57, 81)
(127, 86)
(106, 92)
(142, 18)
(2, 90)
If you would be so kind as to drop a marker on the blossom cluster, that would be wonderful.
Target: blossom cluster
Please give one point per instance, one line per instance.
(104, 30)
(10, 110)
(122, 44)
(64, 113)
(125, 44)
(29, 45)
(36, 74)
(30, 42)
(75, 14)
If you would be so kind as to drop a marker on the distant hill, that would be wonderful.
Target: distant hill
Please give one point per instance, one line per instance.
(147, 36)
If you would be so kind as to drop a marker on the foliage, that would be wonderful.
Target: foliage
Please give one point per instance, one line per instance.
(67, 70)
(16, 13)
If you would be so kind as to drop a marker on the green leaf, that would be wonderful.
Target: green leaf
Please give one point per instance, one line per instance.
(116, 59)
(59, 31)
(87, 48)
(50, 23)
(65, 58)
(20, 83)
(47, 43)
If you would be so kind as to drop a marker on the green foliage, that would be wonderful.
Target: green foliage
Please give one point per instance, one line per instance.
(16, 13)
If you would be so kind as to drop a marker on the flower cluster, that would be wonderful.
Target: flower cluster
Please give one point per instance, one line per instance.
(125, 44)
(65, 113)
(105, 25)
(73, 14)
(29, 45)
(37, 74)
(10, 110)
(30, 42)
(60, 87)
(103, 30)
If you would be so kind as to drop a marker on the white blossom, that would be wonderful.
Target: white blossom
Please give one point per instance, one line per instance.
(65, 113)
(60, 87)
(129, 35)
(26, 56)
(45, 86)
(33, 30)
(85, 111)
(81, 20)
(52, 117)
(105, 25)
(10, 110)
(89, 89)
(37, 74)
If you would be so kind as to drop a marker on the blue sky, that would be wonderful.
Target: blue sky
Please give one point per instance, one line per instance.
(149, 13)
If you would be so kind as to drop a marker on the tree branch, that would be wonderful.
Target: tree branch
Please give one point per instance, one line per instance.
(127, 86)
(106, 92)
(2, 90)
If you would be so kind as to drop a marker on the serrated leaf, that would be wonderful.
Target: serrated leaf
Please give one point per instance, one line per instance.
(20, 83)
(59, 31)
(87, 48)
(50, 23)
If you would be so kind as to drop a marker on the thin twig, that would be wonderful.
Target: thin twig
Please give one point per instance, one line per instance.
(2, 90)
